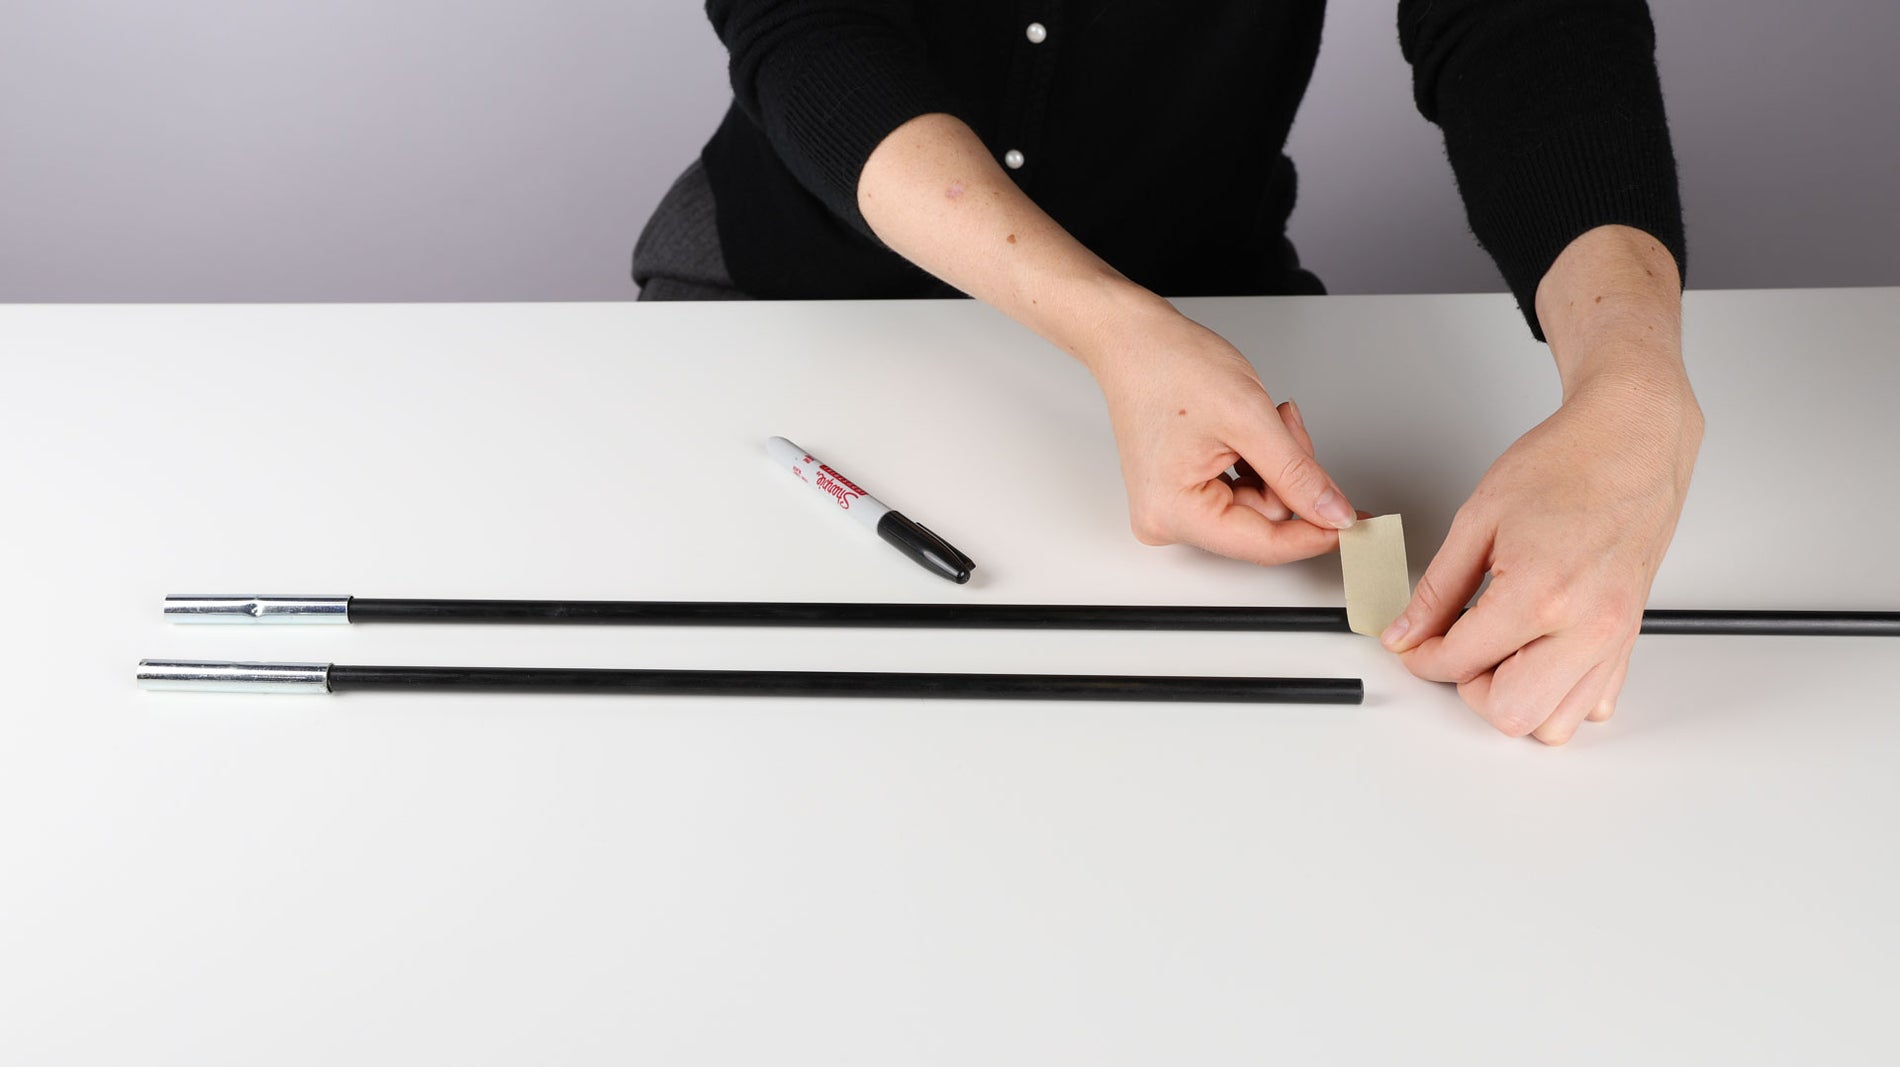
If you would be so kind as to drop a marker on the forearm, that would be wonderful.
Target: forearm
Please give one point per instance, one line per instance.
(932, 192)
(1611, 307)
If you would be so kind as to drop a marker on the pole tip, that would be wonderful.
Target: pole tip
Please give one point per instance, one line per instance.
(256, 608)
(232, 676)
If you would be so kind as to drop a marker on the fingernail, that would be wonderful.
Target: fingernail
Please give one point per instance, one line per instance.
(1390, 638)
(1293, 406)
(1333, 508)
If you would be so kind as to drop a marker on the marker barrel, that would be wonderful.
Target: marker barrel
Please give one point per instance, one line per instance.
(849, 497)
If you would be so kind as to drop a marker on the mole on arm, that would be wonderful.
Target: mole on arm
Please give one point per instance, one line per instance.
(1011, 238)
(1183, 411)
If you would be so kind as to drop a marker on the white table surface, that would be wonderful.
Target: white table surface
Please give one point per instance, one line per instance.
(405, 879)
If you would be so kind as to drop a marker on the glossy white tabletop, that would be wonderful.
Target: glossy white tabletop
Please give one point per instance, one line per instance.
(388, 878)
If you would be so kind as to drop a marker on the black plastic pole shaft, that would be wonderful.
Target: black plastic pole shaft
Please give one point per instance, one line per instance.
(930, 616)
(1045, 616)
(345, 678)
(1774, 623)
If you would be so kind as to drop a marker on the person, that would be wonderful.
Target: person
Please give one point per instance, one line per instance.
(1069, 164)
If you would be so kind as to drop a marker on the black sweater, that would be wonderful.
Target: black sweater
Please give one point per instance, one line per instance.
(1152, 129)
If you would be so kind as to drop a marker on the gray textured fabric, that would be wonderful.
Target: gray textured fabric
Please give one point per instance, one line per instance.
(677, 256)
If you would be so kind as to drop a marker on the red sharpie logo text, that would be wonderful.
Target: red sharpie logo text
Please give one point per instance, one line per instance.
(838, 486)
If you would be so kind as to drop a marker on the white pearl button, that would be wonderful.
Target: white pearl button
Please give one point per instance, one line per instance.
(1036, 32)
(1013, 159)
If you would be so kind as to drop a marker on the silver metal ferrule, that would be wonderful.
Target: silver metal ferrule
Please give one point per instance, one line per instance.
(201, 608)
(227, 676)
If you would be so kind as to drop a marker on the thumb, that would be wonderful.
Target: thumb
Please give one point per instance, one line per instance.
(1295, 476)
(1446, 586)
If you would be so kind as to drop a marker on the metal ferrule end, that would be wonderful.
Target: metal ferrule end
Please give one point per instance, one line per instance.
(203, 608)
(226, 676)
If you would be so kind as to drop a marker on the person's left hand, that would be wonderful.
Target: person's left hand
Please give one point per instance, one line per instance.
(1571, 523)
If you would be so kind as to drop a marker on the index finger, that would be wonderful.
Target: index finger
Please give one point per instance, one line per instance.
(1283, 463)
(1491, 632)
(1219, 524)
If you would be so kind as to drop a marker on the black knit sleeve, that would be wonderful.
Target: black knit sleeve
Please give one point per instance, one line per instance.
(1553, 120)
(827, 80)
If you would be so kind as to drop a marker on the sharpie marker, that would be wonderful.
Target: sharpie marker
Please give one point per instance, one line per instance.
(910, 538)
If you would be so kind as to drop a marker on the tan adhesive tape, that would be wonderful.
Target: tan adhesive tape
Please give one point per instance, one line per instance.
(1372, 555)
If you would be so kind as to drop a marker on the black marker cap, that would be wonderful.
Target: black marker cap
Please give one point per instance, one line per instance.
(917, 542)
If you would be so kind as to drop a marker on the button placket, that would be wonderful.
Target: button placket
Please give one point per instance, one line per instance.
(1030, 79)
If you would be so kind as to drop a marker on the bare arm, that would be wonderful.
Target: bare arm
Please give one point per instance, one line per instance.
(933, 193)
(1186, 405)
(1573, 520)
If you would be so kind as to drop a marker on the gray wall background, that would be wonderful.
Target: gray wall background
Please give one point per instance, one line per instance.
(287, 150)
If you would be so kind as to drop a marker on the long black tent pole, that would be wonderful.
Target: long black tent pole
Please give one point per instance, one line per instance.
(1773, 623)
(215, 675)
(342, 609)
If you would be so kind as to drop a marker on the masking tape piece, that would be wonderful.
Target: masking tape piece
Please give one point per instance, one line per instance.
(1372, 555)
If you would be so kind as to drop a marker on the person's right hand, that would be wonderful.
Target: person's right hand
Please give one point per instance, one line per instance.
(1186, 406)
